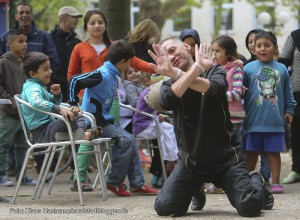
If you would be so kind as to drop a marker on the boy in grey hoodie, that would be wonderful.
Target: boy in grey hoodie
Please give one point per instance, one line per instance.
(11, 82)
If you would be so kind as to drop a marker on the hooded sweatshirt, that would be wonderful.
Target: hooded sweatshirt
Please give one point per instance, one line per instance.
(11, 82)
(252, 58)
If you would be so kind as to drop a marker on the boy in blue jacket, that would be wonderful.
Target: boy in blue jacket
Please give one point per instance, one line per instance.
(100, 89)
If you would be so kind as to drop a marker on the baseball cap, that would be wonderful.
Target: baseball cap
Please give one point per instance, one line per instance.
(190, 33)
(69, 10)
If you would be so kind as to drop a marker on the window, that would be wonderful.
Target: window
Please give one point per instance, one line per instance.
(223, 15)
(134, 10)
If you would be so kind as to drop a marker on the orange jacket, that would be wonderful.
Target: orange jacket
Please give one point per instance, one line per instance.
(85, 59)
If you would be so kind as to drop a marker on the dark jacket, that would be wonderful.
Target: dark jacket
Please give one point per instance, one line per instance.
(11, 82)
(141, 51)
(203, 124)
(64, 43)
(39, 41)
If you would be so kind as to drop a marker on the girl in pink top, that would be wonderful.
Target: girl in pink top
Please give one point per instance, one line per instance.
(224, 52)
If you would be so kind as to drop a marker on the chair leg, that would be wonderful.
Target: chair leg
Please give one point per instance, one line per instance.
(77, 173)
(39, 181)
(101, 171)
(56, 170)
(106, 157)
(49, 163)
(21, 176)
(164, 170)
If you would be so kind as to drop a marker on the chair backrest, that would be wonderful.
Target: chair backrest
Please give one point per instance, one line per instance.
(18, 99)
(129, 107)
(21, 102)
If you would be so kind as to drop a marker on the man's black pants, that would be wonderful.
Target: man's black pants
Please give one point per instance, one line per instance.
(176, 195)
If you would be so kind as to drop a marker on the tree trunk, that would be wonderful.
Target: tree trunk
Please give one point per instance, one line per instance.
(158, 11)
(117, 13)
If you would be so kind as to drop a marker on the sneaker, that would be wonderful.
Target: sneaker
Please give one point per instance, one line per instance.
(4, 181)
(160, 182)
(146, 152)
(154, 181)
(95, 132)
(146, 161)
(28, 182)
(258, 181)
(119, 190)
(269, 199)
(85, 187)
(3, 199)
(146, 190)
(214, 190)
(276, 188)
(198, 200)
(293, 177)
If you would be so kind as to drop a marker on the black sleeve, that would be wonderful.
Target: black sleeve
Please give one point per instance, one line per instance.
(167, 98)
(82, 81)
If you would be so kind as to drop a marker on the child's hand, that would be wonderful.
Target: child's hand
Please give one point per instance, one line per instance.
(13, 104)
(67, 114)
(244, 90)
(288, 118)
(75, 110)
(55, 89)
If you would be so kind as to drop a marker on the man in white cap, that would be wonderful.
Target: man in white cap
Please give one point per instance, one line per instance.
(65, 40)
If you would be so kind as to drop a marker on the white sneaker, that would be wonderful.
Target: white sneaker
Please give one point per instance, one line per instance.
(146, 152)
(4, 181)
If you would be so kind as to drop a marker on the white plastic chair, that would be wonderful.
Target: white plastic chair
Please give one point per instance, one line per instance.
(51, 148)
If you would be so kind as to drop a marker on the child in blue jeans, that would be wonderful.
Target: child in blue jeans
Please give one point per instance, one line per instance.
(100, 88)
(268, 103)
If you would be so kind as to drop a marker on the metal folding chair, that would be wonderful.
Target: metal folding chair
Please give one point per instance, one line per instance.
(107, 156)
(158, 134)
(53, 147)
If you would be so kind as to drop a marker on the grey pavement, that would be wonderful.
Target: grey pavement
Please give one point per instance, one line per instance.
(64, 204)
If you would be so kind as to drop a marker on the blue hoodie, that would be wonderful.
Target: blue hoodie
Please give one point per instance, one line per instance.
(101, 88)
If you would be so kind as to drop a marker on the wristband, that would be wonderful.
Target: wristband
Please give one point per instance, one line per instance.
(197, 64)
(178, 73)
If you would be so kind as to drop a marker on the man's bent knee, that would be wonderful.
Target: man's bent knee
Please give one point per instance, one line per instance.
(165, 208)
(250, 210)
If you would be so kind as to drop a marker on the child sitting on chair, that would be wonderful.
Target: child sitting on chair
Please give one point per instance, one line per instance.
(44, 127)
(145, 127)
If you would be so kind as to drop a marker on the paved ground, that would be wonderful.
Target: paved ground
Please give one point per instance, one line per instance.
(136, 207)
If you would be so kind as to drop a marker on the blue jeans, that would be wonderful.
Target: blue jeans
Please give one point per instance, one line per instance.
(125, 158)
(11, 134)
